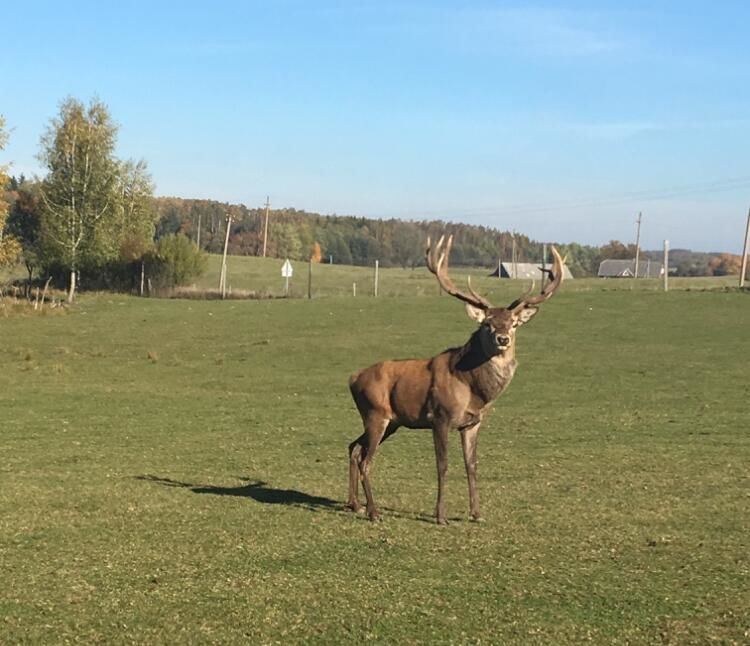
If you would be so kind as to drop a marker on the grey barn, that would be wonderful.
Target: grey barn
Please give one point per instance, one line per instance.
(525, 270)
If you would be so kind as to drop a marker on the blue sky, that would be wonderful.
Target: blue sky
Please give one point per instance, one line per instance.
(561, 120)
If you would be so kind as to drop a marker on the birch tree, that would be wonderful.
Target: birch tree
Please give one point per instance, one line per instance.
(137, 216)
(78, 196)
(136, 212)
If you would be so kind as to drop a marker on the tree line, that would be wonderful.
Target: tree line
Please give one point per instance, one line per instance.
(350, 240)
(301, 235)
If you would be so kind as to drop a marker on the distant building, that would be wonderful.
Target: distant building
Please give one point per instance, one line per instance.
(626, 269)
(525, 270)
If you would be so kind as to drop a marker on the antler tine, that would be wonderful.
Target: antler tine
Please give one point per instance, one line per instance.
(481, 299)
(437, 262)
(521, 300)
(431, 252)
(556, 277)
(443, 253)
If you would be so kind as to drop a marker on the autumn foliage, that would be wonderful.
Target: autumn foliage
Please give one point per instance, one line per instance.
(317, 253)
(10, 249)
(725, 264)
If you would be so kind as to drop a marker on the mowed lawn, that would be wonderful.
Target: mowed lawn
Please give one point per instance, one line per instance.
(174, 471)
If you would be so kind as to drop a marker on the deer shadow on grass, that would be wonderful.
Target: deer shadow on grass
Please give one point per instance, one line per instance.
(257, 490)
(261, 492)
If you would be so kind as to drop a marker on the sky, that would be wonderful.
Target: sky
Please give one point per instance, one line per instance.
(560, 120)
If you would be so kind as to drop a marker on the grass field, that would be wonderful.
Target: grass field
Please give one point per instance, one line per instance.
(174, 472)
(263, 275)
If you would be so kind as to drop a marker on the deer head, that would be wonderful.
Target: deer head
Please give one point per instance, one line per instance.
(497, 324)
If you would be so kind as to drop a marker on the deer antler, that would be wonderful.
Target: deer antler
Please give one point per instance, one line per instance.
(437, 262)
(556, 277)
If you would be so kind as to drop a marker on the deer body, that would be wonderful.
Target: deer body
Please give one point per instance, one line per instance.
(458, 385)
(451, 391)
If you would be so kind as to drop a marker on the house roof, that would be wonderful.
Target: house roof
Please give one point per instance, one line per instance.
(612, 268)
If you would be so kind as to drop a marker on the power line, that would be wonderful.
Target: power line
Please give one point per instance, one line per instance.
(716, 186)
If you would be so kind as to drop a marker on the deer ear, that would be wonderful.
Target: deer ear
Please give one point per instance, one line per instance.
(526, 314)
(475, 313)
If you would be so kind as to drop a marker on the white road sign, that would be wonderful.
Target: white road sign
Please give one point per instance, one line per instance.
(286, 269)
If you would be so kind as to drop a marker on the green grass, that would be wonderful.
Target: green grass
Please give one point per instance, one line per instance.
(174, 472)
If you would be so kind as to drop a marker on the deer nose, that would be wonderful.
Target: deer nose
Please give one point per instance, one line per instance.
(503, 340)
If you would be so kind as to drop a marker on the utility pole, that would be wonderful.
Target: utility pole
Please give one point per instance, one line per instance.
(743, 270)
(544, 262)
(666, 265)
(375, 285)
(198, 241)
(265, 228)
(637, 244)
(223, 277)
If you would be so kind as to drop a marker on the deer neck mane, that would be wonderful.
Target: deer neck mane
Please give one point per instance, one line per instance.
(488, 374)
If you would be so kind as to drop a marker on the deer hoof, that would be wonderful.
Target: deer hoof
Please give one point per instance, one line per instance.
(354, 507)
(375, 516)
(443, 522)
(476, 519)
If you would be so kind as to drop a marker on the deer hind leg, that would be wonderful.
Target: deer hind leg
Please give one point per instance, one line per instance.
(355, 456)
(469, 444)
(356, 450)
(375, 432)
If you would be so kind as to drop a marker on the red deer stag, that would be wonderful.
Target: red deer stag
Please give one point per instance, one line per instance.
(451, 391)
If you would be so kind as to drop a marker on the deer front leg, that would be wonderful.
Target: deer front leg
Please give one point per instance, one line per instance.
(469, 437)
(440, 438)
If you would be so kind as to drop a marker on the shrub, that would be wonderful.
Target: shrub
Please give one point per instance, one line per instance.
(175, 260)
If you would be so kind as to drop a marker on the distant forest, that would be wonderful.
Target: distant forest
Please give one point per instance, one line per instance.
(300, 235)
